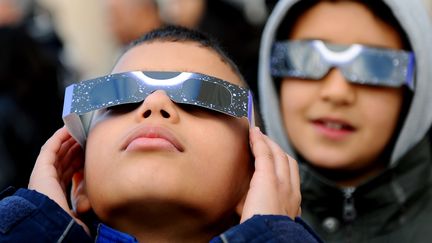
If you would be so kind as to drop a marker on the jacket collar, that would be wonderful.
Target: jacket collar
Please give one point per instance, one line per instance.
(107, 234)
(393, 189)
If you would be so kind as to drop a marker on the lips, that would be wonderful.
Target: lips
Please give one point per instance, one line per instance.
(334, 129)
(147, 138)
(334, 124)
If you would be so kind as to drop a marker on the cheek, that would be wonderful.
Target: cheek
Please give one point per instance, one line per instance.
(225, 156)
(101, 141)
(94, 168)
(382, 109)
(295, 97)
(101, 154)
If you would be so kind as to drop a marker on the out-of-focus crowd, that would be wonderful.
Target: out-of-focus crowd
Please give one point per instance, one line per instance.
(46, 45)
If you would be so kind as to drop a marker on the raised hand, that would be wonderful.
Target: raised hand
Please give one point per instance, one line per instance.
(275, 185)
(59, 159)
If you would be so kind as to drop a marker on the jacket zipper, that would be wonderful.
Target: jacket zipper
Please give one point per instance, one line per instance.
(349, 212)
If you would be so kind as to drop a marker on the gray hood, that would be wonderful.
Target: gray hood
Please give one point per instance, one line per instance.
(414, 19)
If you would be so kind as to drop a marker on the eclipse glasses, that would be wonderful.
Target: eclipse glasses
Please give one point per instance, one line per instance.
(83, 98)
(359, 64)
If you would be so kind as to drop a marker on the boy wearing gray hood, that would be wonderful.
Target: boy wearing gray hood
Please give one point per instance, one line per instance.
(345, 88)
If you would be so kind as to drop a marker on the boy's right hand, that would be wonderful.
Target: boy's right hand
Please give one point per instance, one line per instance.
(275, 185)
(59, 159)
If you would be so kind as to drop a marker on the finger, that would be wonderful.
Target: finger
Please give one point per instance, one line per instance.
(288, 186)
(44, 165)
(262, 153)
(282, 163)
(61, 161)
(52, 146)
(295, 173)
(75, 162)
(295, 182)
(262, 195)
(287, 170)
(65, 146)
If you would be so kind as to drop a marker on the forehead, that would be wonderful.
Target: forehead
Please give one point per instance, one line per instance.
(345, 22)
(176, 56)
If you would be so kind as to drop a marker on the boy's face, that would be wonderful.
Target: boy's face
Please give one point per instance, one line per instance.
(335, 124)
(158, 155)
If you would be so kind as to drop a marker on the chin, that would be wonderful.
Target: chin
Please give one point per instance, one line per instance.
(330, 162)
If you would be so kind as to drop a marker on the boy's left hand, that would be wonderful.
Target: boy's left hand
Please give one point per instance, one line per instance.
(275, 185)
(59, 159)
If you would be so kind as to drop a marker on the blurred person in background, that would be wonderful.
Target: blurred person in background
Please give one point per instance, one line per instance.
(30, 17)
(238, 25)
(30, 100)
(95, 32)
(13, 12)
(88, 45)
(186, 13)
(129, 19)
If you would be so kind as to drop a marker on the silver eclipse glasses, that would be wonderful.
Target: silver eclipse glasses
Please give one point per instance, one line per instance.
(313, 59)
(83, 98)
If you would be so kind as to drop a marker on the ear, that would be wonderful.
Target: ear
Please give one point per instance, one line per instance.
(79, 199)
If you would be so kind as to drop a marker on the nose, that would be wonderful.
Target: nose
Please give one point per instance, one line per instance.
(158, 106)
(336, 89)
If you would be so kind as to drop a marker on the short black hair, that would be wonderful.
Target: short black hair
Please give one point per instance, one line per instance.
(173, 33)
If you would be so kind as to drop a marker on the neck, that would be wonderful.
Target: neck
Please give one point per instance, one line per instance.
(168, 223)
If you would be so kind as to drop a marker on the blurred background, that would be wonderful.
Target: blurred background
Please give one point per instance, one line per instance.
(46, 45)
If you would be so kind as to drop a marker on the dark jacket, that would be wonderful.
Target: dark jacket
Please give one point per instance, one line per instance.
(395, 206)
(28, 216)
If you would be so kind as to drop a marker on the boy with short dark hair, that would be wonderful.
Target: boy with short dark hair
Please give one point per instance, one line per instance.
(167, 157)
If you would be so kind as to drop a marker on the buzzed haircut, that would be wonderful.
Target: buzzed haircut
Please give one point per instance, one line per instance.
(173, 33)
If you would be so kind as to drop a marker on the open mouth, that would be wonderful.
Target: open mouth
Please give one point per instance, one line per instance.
(334, 125)
(333, 128)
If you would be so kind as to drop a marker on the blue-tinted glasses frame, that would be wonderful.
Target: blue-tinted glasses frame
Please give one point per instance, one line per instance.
(197, 89)
(360, 64)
